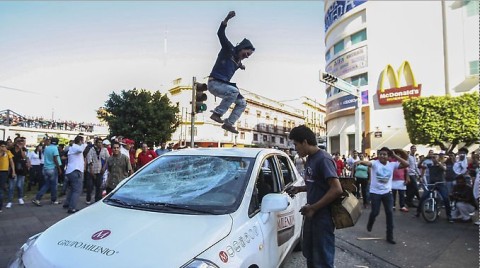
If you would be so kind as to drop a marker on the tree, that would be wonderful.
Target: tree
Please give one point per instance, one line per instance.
(140, 115)
(443, 121)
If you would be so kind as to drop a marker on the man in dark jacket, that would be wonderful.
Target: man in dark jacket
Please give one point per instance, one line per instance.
(229, 60)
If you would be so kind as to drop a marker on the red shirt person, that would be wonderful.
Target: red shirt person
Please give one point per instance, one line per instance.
(145, 156)
(340, 164)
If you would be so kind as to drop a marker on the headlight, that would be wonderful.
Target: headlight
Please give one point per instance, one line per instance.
(16, 261)
(200, 263)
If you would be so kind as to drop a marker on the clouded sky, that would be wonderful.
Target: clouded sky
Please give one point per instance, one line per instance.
(65, 58)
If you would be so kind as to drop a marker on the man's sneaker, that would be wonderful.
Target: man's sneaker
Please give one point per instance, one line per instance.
(71, 211)
(9, 205)
(404, 209)
(55, 202)
(230, 128)
(216, 117)
(88, 202)
(36, 202)
(20, 201)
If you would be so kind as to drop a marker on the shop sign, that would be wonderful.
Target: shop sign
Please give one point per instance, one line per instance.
(397, 93)
(345, 102)
(378, 134)
(338, 9)
(348, 62)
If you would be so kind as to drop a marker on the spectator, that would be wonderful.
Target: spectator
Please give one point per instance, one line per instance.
(465, 203)
(6, 165)
(145, 156)
(162, 149)
(340, 165)
(36, 159)
(21, 163)
(118, 166)
(74, 172)
(51, 169)
(96, 160)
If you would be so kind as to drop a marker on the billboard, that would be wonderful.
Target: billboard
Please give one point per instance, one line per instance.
(397, 93)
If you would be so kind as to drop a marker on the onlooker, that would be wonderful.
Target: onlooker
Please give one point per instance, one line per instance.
(465, 203)
(413, 174)
(63, 163)
(381, 187)
(36, 159)
(145, 156)
(449, 173)
(74, 173)
(323, 187)
(162, 149)
(461, 165)
(118, 167)
(340, 165)
(51, 169)
(6, 165)
(96, 160)
(20, 162)
(362, 178)
(351, 161)
(399, 185)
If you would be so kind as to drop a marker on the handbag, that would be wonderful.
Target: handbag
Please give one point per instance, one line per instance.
(346, 210)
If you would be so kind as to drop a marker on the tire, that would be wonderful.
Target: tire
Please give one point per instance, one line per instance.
(430, 210)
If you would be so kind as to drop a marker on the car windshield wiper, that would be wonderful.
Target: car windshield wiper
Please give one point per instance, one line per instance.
(169, 206)
(118, 202)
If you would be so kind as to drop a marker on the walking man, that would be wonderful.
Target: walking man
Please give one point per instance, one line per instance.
(74, 172)
(381, 187)
(118, 167)
(323, 187)
(96, 159)
(413, 173)
(229, 60)
(51, 169)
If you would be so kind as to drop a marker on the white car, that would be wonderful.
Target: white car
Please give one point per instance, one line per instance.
(187, 208)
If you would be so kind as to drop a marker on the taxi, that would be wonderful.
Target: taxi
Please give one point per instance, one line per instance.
(212, 207)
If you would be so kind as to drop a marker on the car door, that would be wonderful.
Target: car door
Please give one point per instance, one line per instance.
(279, 228)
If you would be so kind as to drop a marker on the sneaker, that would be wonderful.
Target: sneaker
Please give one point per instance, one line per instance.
(36, 202)
(451, 220)
(477, 222)
(404, 209)
(71, 211)
(55, 202)
(391, 241)
(216, 117)
(88, 202)
(230, 128)
(9, 205)
(20, 201)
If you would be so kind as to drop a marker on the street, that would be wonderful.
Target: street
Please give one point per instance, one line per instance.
(419, 244)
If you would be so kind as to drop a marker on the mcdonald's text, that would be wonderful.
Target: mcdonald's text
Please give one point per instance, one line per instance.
(397, 95)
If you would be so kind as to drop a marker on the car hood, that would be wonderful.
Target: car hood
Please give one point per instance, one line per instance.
(109, 236)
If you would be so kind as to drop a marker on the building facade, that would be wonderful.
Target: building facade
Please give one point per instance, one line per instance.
(265, 122)
(392, 50)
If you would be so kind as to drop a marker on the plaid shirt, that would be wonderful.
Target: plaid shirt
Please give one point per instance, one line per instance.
(95, 161)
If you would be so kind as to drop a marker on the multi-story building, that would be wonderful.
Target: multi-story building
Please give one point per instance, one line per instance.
(390, 49)
(265, 122)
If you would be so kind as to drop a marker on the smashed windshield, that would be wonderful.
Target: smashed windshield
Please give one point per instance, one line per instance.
(214, 184)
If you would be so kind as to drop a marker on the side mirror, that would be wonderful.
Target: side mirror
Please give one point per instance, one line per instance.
(274, 202)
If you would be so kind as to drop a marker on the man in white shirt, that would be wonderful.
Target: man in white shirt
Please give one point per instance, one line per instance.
(413, 173)
(461, 165)
(351, 161)
(74, 173)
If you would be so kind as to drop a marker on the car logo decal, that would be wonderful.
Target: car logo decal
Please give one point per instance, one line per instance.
(101, 234)
(223, 256)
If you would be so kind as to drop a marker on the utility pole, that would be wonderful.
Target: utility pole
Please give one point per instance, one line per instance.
(344, 86)
(192, 119)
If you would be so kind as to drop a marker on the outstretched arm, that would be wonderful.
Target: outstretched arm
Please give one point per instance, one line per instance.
(221, 31)
(230, 15)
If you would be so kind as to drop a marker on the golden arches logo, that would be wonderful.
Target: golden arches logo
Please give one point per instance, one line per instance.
(396, 93)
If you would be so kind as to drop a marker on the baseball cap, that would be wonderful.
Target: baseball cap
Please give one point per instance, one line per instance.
(106, 142)
(128, 141)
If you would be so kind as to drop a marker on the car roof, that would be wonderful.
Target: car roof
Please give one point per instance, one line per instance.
(239, 152)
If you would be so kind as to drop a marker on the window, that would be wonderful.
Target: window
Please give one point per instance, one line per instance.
(242, 135)
(259, 113)
(194, 131)
(359, 37)
(474, 67)
(266, 183)
(282, 140)
(338, 47)
(265, 137)
(327, 55)
(273, 138)
(287, 174)
(472, 7)
(359, 80)
(255, 137)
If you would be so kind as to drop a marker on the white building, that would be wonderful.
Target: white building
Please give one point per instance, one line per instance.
(395, 46)
(265, 122)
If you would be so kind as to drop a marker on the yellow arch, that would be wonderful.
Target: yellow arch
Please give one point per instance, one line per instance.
(389, 72)
(406, 71)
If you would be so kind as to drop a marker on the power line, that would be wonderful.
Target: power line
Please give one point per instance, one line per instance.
(27, 91)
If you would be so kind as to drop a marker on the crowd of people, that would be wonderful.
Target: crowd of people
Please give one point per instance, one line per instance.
(95, 166)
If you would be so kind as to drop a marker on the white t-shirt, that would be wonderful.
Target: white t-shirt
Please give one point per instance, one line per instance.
(35, 158)
(381, 177)
(76, 161)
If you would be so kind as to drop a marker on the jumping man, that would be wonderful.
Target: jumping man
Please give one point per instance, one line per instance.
(229, 60)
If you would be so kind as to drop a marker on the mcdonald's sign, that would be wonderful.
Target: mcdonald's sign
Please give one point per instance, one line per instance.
(397, 93)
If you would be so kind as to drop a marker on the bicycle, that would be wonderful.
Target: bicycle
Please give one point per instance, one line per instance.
(431, 206)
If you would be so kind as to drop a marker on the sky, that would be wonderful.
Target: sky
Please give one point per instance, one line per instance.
(62, 59)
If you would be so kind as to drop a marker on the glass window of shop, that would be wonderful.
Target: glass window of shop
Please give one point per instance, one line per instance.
(474, 67)
(472, 7)
(327, 55)
(338, 47)
(359, 37)
(359, 80)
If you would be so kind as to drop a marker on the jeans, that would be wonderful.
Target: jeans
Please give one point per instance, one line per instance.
(36, 177)
(362, 184)
(412, 189)
(229, 94)
(401, 197)
(387, 200)
(319, 241)
(17, 182)
(94, 181)
(3, 182)
(75, 182)
(51, 178)
(450, 185)
(442, 190)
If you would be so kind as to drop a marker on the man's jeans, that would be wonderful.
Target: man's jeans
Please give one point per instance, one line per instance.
(17, 182)
(387, 200)
(51, 179)
(3, 181)
(75, 182)
(92, 181)
(229, 94)
(412, 189)
(318, 245)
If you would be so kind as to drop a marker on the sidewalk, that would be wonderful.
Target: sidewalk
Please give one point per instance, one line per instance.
(20, 222)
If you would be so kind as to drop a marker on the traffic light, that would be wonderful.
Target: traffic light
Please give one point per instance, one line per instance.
(200, 97)
(328, 78)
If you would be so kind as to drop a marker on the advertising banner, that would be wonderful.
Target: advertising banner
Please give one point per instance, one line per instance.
(338, 9)
(348, 62)
(345, 102)
(396, 93)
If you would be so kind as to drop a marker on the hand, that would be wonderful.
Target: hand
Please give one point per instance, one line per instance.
(242, 67)
(292, 191)
(307, 211)
(230, 15)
